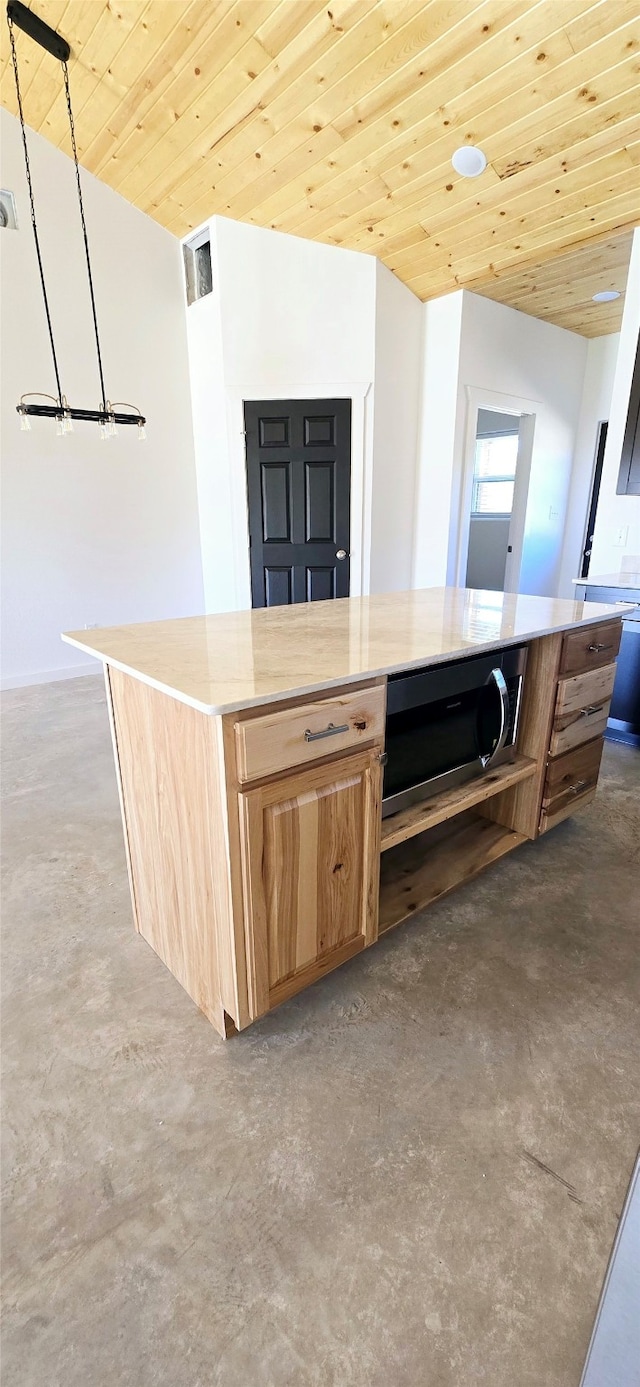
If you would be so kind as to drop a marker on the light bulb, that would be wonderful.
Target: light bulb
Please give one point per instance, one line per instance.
(25, 422)
(104, 431)
(60, 426)
(142, 433)
(469, 161)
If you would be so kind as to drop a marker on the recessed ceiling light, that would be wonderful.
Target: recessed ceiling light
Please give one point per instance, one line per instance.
(469, 161)
(606, 295)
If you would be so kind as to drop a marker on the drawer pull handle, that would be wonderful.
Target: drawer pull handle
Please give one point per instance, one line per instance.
(593, 708)
(580, 785)
(598, 648)
(330, 731)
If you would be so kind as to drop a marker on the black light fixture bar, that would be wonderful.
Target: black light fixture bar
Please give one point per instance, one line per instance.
(92, 416)
(38, 30)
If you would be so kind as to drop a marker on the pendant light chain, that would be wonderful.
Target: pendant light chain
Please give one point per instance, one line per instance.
(84, 231)
(32, 404)
(33, 210)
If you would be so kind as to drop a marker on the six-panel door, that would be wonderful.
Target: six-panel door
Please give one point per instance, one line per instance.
(310, 852)
(298, 493)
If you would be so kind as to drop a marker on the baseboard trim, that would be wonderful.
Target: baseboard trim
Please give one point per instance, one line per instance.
(48, 676)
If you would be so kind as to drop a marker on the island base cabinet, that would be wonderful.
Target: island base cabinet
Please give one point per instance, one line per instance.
(310, 849)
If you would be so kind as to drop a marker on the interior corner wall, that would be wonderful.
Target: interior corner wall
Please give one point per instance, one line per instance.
(288, 318)
(440, 439)
(617, 532)
(398, 345)
(505, 351)
(209, 405)
(93, 532)
(602, 353)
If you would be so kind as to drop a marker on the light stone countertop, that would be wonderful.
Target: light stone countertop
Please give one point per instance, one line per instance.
(235, 660)
(610, 580)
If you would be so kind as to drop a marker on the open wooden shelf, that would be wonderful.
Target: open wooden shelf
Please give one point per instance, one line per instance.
(417, 872)
(420, 817)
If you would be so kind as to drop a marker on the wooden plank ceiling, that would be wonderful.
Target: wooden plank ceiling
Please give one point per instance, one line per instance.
(337, 122)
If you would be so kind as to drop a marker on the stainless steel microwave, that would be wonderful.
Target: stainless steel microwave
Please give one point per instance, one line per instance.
(449, 723)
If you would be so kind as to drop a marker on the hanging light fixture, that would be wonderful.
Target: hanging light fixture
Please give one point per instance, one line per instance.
(108, 416)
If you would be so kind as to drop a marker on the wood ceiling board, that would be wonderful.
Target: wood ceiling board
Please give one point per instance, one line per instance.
(481, 273)
(603, 263)
(485, 212)
(116, 30)
(466, 38)
(354, 108)
(457, 188)
(603, 178)
(496, 117)
(107, 141)
(618, 216)
(230, 54)
(561, 290)
(117, 55)
(212, 122)
(290, 118)
(33, 57)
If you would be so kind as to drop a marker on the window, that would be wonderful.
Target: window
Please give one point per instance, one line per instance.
(494, 474)
(197, 267)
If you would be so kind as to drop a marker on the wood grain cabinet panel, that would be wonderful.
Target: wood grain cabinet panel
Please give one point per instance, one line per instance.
(291, 737)
(570, 783)
(582, 708)
(590, 646)
(310, 849)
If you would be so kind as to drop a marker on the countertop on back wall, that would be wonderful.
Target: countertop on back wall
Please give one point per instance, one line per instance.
(610, 580)
(233, 660)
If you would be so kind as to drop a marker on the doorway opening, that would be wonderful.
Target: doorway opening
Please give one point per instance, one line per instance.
(497, 498)
(593, 503)
(298, 461)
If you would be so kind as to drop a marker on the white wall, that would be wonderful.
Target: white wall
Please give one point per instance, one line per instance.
(288, 319)
(597, 389)
(475, 345)
(93, 531)
(440, 439)
(398, 346)
(616, 513)
(505, 351)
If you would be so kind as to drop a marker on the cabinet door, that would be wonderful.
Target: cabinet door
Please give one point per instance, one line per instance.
(311, 858)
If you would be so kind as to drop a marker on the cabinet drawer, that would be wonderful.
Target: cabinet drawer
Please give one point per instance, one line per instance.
(296, 736)
(590, 646)
(582, 708)
(571, 782)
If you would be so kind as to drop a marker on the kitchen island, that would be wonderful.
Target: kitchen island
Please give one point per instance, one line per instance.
(249, 750)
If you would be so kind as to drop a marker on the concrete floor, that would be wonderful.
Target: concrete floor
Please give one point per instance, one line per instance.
(411, 1175)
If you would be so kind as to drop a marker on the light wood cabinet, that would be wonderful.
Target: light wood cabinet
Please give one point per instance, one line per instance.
(571, 782)
(310, 847)
(589, 647)
(582, 708)
(299, 736)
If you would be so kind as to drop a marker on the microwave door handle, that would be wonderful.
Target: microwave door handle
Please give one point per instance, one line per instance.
(503, 694)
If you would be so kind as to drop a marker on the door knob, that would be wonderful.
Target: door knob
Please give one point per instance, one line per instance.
(341, 553)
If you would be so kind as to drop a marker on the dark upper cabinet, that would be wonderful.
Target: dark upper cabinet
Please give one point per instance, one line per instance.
(629, 474)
